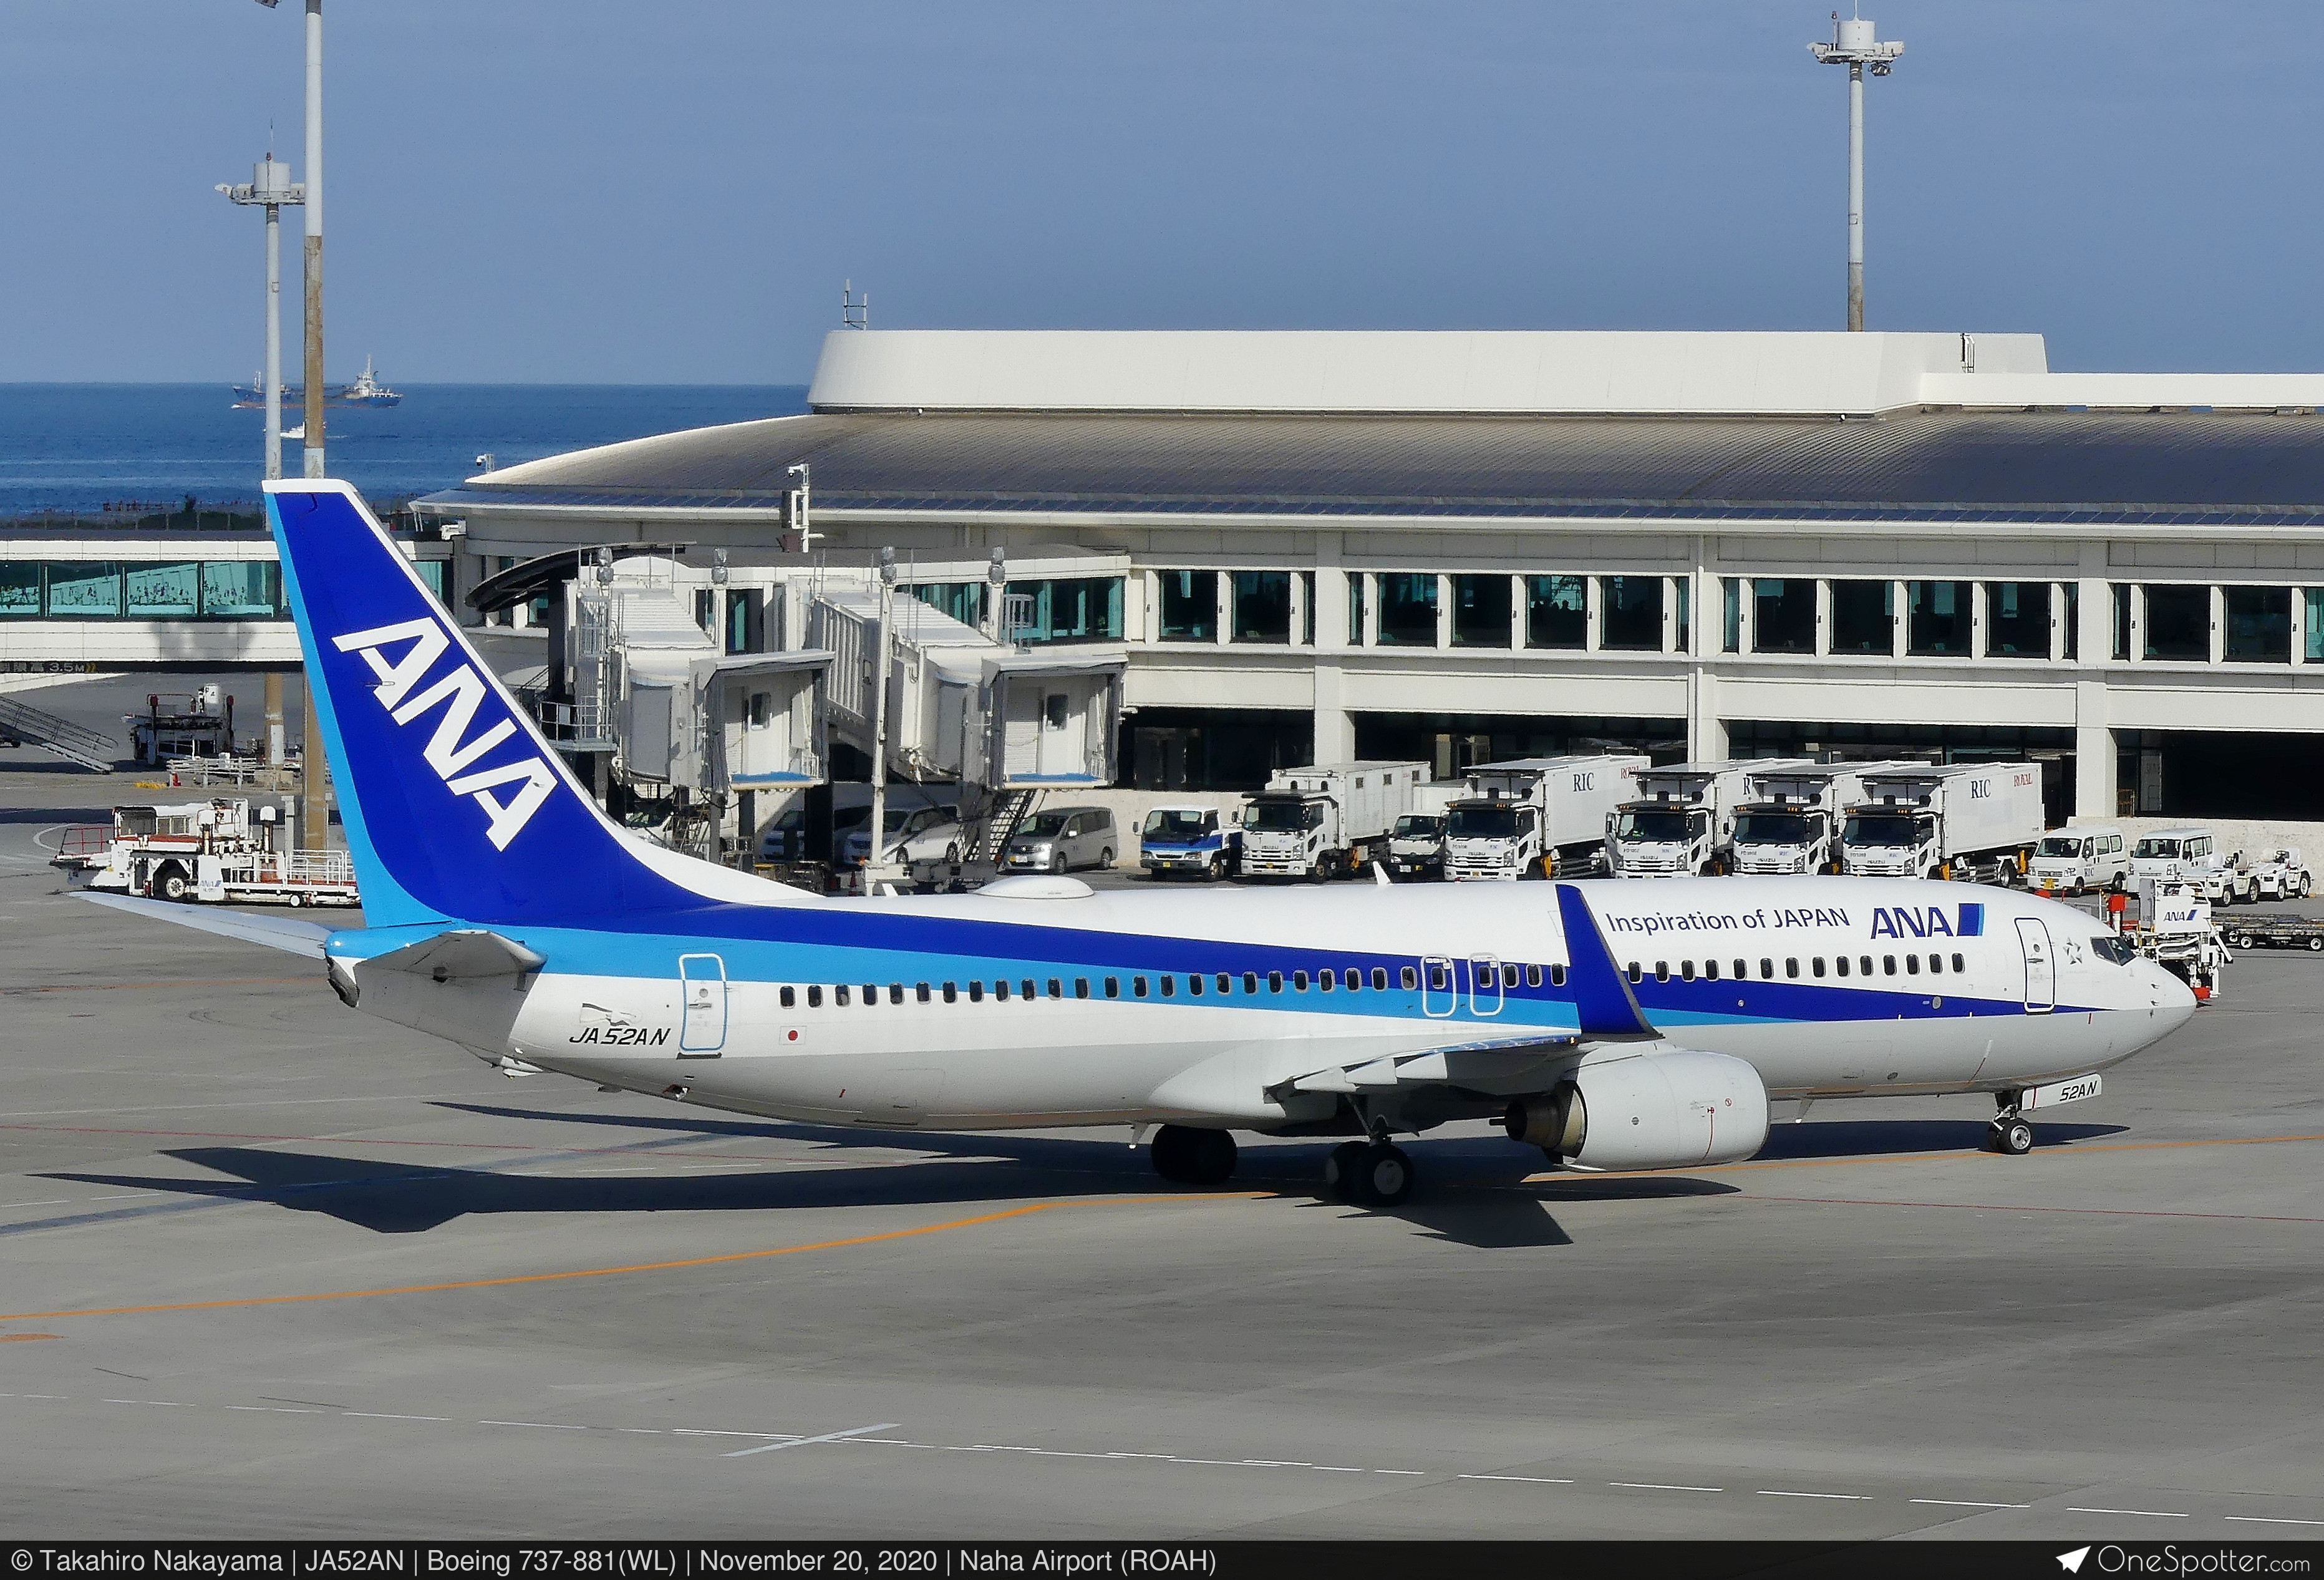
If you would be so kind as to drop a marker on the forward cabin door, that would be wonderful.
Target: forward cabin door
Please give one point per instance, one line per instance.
(1484, 984)
(702, 978)
(2041, 970)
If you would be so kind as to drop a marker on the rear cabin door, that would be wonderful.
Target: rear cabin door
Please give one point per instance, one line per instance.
(702, 978)
(1484, 984)
(2040, 969)
(1439, 995)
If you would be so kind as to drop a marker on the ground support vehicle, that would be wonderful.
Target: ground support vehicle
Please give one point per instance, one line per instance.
(2276, 932)
(1325, 822)
(2075, 861)
(1979, 822)
(1061, 840)
(1682, 823)
(1536, 817)
(2278, 875)
(228, 851)
(1186, 841)
(2192, 856)
(1415, 843)
(1792, 822)
(917, 834)
(2177, 934)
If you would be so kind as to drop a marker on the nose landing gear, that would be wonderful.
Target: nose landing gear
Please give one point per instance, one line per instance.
(2012, 1136)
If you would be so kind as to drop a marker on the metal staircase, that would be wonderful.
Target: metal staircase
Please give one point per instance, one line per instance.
(29, 726)
(1002, 813)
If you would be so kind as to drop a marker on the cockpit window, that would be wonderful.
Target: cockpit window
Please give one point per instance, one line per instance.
(2114, 947)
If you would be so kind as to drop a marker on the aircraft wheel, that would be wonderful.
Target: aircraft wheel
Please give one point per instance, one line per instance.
(1170, 1153)
(2012, 1136)
(1382, 1176)
(1339, 1167)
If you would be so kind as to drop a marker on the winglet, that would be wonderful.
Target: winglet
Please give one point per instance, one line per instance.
(1601, 997)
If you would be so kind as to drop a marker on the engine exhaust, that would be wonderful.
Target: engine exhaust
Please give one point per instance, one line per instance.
(1558, 1124)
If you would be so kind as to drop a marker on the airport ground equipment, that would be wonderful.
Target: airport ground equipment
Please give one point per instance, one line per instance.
(1183, 841)
(2177, 933)
(228, 851)
(2075, 861)
(2278, 875)
(1974, 821)
(187, 724)
(2275, 932)
(22, 724)
(2189, 855)
(1792, 821)
(1326, 821)
(1537, 818)
(1682, 822)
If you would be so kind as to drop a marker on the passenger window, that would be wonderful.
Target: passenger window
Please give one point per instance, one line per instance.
(896, 992)
(1888, 964)
(1440, 977)
(1057, 988)
(1742, 970)
(1193, 984)
(1958, 966)
(1355, 979)
(1936, 965)
(1815, 967)
(1300, 982)
(1250, 982)
(976, 992)
(1710, 970)
(1633, 972)
(1686, 971)
(814, 997)
(1404, 974)
(1841, 965)
(870, 993)
(1766, 970)
(1080, 987)
(1533, 976)
(1911, 966)
(1138, 987)
(1113, 987)
(1556, 974)
(790, 997)
(1662, 971)
(952, 993)
(1508, 976)
(1792, 968)
(1326, 978)
(1226, 983)
(1865, 961)
(921, 992)
(1274, 982)
(839, 995)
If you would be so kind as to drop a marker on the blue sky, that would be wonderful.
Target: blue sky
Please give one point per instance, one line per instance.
(587, 191)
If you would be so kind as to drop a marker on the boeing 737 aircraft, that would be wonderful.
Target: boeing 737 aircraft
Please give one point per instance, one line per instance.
(1618, 1026)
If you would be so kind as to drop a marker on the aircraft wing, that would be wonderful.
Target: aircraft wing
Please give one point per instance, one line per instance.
(1504, 1065)
(276, 932)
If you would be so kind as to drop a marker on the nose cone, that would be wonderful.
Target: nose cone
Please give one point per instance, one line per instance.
(2173, 999)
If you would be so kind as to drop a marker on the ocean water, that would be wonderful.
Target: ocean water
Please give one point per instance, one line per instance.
(79, 448)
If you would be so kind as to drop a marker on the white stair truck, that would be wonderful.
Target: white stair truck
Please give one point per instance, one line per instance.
(1682, 822)
(1974, 821)
(1325, 822)
(1536, 817)
(1792, 821)
(2190, 857)
(2074, 860)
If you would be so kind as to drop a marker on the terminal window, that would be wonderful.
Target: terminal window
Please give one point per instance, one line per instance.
(1783, 615)
(2259, 626)
(1407, 609)
(2179, 623)
(2315, 639)
(2018, 619)
(1557, 611)
(1480, 611)
(1262, 605)
(1937, 618)
(1631, 612)
(1864, 617)
(1190, 606)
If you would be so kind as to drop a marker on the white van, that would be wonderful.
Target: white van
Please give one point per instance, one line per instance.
(2186, 856)
(2072, 861)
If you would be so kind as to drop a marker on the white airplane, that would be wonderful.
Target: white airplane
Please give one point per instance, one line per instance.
(1616, 1026)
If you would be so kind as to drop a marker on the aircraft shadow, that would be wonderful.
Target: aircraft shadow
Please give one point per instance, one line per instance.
(1872, 1138)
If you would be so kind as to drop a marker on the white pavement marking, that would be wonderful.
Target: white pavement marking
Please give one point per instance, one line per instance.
(1839, 1497)
(1547, 1481)
(544, 1425)
(383, 1415)
(1966, 1503)
(803, 1442)
(2149, 1513)
(2264, 1520)
(1663, 1487)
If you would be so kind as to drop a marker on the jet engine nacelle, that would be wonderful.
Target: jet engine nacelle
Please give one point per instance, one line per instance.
(1678, 1109)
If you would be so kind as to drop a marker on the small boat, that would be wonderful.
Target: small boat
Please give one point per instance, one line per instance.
(366, 391)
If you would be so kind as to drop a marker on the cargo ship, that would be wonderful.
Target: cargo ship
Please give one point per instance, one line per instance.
(366, 391)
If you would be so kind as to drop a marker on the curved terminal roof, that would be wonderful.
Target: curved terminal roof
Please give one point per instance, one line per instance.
(2161, 467)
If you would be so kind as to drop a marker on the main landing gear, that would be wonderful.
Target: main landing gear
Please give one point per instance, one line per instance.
(2012, 1136)
(1369, 1174)
(1183, 1155)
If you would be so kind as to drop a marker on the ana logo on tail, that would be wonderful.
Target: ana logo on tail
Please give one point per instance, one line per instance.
(461, 692)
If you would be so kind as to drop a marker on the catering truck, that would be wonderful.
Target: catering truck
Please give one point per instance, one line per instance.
(2074, 860)
(1792, 821)
(1325, 822)
(1682, 822)
(1978, 821)
(1535, 817)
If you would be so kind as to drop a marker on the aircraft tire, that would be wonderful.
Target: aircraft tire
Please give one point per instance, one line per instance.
(1339, 1167)
(1170, 1153)
(1383, 1175)
(2012, 1136)
(1215, 1155)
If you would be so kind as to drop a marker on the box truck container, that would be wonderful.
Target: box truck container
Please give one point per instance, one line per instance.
(1682, 822)
(1326, 821)
(1975, 821)
(1537, 818)
(1790, 822)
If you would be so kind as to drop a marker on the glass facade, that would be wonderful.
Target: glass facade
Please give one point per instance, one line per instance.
(1937, 618)
(2179, 623)
(2121, 622)
(1074, 609)
(2314, 644)
(2259, 626)
(1557, 611)
(104, 589)
(1481, 607)
(1407, 609)
(2018, 619)
(1630, 613)
(1783, 615)
(1864, 617)
(962, 600)
(1262, 605)
(1730, 638)
(1190, 606)
(1356, 580)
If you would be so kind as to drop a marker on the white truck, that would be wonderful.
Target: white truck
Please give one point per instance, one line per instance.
(1325, 822)
(1416, 845)
(1536, 817)
(1792, 822)
(227, 851)
(1974, 821)
(2190, 856)
(2075, 861)
(1682, 823)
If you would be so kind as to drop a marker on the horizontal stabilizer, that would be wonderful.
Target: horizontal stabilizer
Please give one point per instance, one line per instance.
(463, 952)
(276, 932)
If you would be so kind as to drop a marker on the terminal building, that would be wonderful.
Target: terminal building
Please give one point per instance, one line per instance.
(1457, 547)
